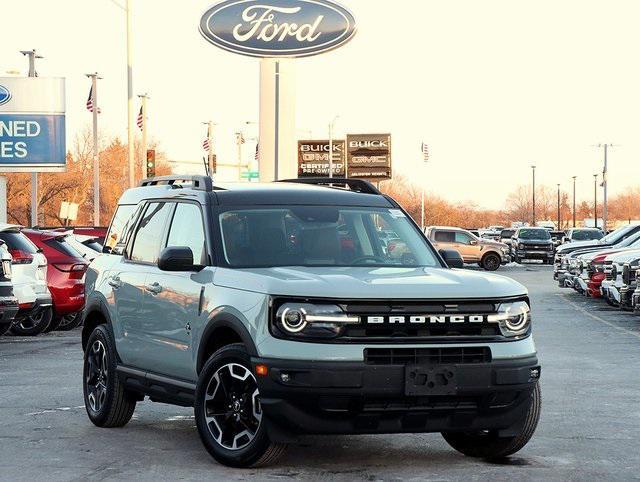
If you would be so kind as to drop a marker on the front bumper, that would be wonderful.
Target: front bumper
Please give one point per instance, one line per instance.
(311, 397)
(534, 254)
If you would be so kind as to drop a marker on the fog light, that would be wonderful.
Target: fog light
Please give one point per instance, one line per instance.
(285, 378)
(535, 373)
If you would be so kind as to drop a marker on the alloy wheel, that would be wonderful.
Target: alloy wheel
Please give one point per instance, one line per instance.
(97, 375)
(232, 406)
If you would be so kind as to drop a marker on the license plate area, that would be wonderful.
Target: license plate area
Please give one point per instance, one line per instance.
(422, 380)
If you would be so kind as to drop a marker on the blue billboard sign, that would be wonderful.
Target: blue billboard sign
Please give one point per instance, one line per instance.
(32, 140)
(32, 124)
(278, 28)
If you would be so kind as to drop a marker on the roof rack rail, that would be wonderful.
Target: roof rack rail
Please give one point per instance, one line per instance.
(358, 185)
(199, 183)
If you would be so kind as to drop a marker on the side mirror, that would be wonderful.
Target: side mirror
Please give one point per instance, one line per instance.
(473, 242)
(176, 258)
(452, 258)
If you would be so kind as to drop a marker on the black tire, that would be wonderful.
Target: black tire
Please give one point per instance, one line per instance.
(236, 414)
(107, 402)
(4, 328)
(55, 323)
(490, 262)
(70, 322)
(34, 324)
(488, 445)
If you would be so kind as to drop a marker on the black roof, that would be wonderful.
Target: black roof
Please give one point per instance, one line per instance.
(293, 192)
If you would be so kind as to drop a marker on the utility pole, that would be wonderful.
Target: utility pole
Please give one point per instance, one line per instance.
(595, 200)
(96, 149)
(130, 133)
(574, 201)
(533, 171)
(32, 55)
(559, 207)
(144, 98)
(331, 127)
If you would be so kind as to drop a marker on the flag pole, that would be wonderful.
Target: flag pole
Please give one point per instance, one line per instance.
(96, 160)
(144, 97)
(130, 134)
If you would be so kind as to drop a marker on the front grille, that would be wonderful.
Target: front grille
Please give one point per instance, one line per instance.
(628, 274)
(426, 356)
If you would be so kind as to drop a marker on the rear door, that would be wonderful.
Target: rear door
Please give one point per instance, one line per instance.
(128, 279)
(445, 239)
(173, 301)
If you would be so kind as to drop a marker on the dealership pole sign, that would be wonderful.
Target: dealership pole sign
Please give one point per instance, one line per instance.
(278, 28)
(313, 158)
(369, 156)
(32, 124)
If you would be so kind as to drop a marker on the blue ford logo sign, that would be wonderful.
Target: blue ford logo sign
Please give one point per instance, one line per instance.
(5, 95)
(278, 28)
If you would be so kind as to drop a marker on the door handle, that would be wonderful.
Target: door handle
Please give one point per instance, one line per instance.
(154, 288)
(115, 283)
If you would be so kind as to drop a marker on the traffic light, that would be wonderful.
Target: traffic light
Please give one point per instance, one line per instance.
(151, 163)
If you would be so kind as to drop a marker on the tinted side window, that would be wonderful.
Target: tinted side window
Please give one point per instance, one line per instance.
(444, 236)
(146, 245)
(187, 230)
(121, 225)
(18, 242)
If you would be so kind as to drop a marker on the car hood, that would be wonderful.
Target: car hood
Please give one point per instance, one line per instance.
(567, 247)
(624, 256)
(370, 282)
(591, 255)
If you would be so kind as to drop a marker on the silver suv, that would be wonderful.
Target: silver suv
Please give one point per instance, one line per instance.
(277, 310)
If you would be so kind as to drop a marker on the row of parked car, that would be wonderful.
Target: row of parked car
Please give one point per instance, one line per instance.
(42, 277)
(605, 268)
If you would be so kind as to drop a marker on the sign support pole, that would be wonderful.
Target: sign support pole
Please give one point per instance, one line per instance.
(31, 54)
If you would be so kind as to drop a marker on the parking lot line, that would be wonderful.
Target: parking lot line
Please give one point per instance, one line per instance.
(597, 318)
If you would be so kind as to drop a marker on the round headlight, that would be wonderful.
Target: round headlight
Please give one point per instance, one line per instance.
(513, 318)
(293, 320)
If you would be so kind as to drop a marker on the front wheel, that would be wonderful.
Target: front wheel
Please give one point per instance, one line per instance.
(228, 412)
(491, 262)
(33, 324)
(488, 445)
(107, 402)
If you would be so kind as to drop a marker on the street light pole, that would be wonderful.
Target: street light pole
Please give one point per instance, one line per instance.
(130, 133)
(96, 161)
(533, 170)
(559, 207)
(574, 201)
(604, 185)
(595, 200)
(32, 55)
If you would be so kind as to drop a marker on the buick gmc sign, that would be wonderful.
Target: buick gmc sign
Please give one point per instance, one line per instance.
(278, 28)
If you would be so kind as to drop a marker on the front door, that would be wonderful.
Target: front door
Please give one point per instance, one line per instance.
(467, 246)
(174, 301)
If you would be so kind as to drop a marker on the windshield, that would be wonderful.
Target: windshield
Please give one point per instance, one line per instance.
(617, 234)
(323, 236)
(587, 235)
(534, 234)
(507, 233)
(630, 241)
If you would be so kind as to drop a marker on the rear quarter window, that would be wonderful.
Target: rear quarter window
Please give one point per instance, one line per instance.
(18, 241)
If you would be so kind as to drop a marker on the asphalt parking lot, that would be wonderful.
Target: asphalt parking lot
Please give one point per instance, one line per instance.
(588, 430)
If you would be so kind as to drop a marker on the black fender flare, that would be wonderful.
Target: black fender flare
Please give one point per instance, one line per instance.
(224, 320)
(95, 304)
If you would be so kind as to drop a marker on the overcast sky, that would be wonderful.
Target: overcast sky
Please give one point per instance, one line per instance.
(492, 86)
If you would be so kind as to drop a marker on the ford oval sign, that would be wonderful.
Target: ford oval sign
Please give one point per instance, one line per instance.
(5, 95)
(278, 28)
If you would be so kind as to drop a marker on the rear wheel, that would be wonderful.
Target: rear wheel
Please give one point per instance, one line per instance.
(228, 411)
(107, 402)
(487, 444)
(70, 321)
(490, 262)
(33, 324)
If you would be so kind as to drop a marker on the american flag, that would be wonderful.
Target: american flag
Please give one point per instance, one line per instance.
(205, 145)
(257, 154)
(90, 101)
(140, 120)
(240, 138)
(425, 151)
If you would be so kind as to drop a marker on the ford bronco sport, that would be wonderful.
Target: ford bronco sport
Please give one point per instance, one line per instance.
(275, 310)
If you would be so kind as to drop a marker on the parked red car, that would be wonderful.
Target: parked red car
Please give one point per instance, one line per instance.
(65, 276)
